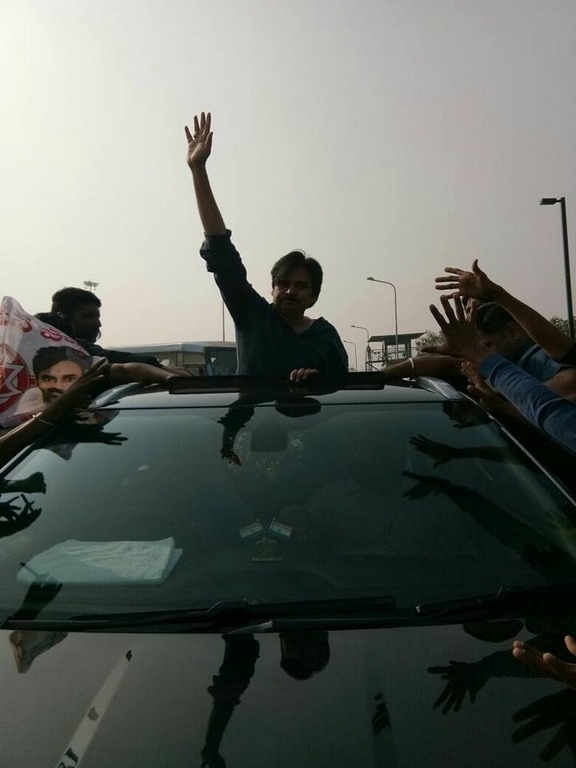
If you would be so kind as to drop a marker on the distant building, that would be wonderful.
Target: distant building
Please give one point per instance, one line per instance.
(382, 350)
(204, 358)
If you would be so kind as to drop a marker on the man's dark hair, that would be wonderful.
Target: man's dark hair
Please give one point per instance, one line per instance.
(304, 665)
(492, 318)
(46, 357)
(68, 300)
(298, 260)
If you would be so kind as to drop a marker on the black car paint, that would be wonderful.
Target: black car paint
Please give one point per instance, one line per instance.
(437, 693)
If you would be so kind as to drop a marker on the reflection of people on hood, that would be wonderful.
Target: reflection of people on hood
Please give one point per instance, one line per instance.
(468, 678)
(233, 678)
(29, 644)
(302, 655)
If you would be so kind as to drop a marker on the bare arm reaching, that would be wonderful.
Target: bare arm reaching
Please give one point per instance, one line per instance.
(199, 148)
(477, 285)
(536, 401)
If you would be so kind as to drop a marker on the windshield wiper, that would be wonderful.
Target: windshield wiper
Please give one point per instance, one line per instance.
(222, 615)
(547, 598)
(103, 621)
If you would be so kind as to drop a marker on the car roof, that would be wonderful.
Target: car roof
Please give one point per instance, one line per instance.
(221, 391)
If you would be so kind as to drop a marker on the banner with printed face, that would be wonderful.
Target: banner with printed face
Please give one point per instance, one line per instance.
(37, 363)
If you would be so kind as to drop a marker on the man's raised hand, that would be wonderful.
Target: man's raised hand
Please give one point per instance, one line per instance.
(475, 284)
(199, 143)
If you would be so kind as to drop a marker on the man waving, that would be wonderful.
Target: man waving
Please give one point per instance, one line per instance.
(277, 338)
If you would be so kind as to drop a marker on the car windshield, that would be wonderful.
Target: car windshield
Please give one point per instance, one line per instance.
(148, 509)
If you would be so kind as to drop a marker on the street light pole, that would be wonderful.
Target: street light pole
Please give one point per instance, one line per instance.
(567, 280)
(387, 282)
(223, 323)
(361, 327)
(355, 355)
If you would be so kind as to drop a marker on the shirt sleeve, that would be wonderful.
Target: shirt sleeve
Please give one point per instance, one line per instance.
(536, 402)
(223, 260)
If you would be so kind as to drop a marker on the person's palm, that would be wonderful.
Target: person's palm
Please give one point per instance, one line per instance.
(200, 143)
(475, 284)
(547, 663)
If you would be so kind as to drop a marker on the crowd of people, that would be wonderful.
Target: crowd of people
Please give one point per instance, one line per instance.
(519, 366)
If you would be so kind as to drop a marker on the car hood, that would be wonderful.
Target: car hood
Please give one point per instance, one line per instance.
(433, 696)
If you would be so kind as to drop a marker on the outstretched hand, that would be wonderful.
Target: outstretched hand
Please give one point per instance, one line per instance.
(199, 143)
(461, 679)
(546, 663)
(460, 332)
(439, 452)
(475, 284)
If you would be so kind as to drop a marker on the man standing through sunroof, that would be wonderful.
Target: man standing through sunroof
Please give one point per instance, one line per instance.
(277, 338)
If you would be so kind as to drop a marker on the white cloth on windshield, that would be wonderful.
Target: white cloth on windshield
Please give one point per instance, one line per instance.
(103, 562)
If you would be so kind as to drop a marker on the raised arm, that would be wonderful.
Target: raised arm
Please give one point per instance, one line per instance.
(477, 285)
(199, 148)
(537, 402)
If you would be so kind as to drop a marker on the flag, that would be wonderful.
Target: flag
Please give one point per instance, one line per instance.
(29, 350)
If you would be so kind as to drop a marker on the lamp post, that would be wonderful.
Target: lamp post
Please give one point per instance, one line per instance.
(361, 327)
(355, 355)
(562, 201)
(386, 282)
(223, 323)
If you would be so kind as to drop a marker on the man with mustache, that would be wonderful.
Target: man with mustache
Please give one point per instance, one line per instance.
(273, 339)
(56, 369)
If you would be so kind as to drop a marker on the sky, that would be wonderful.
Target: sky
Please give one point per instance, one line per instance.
(387, 139)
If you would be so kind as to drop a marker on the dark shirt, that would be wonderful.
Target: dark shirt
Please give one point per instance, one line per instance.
(569, 358)
(266, 344)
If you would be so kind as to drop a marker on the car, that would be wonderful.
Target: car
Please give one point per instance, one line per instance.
(248, 573)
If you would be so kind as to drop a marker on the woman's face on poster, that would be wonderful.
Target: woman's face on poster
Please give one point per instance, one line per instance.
(56, 380)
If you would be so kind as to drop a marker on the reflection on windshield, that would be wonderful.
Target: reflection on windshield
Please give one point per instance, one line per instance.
(322, 503)
(270, 438)
(19, 511)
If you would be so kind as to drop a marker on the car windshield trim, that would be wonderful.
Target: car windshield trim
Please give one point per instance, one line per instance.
(505, 597)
